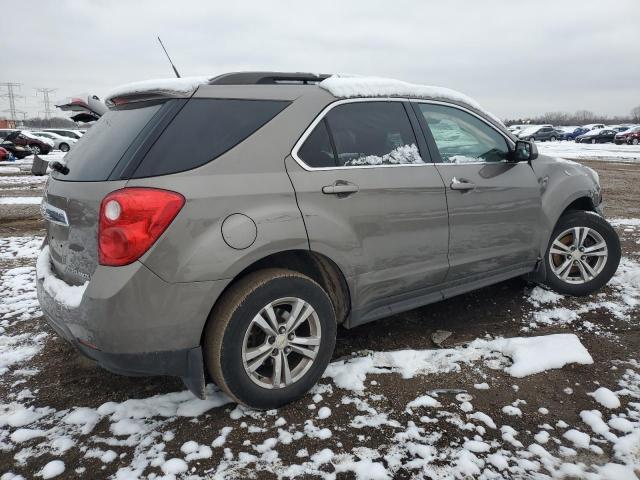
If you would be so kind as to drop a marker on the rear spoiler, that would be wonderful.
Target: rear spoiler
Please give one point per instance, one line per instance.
(154, 90)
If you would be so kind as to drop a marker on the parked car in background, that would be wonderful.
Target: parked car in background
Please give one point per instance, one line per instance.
(594, 126)
(621, 128)
(6, 131)
(18, 151)
(575, 133)
(59, 142)
(4, 154)
(541, 133)
(176, 272)
(599, 135)
(37, 145)
(517, 128)
(65, 132)
(630, 136)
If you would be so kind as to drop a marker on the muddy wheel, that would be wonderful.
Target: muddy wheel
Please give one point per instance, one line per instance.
(583, 254)
(270, 337)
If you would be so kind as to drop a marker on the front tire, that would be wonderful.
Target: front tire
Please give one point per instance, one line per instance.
(634, 141)
(552, 139)
(270, 337)
(35, 149)
(64, 147)
(583, 254)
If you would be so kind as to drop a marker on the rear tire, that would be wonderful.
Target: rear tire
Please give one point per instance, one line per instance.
(571, 271)
(634, 141)
(64, 147)
(241, 333)
(552, 139)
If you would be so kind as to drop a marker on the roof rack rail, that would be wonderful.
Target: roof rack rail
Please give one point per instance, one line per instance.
(268, 78)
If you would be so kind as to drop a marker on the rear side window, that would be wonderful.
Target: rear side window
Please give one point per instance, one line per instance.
(203, 130)
(95, 155)
(372, 133)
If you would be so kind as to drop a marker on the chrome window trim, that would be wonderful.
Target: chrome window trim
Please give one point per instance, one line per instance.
(328, 108)
(510, 142)
(320, 117)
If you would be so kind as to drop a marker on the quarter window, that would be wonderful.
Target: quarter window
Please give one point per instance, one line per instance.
(462, 137)
(316, 150)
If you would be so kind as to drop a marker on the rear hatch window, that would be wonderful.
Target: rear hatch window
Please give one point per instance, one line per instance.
(97, 153)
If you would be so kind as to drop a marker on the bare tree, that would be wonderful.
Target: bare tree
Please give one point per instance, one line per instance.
(635, 114)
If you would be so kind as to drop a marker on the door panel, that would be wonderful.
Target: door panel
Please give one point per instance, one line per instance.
(493, 225)
(390, 236)
(494, 203)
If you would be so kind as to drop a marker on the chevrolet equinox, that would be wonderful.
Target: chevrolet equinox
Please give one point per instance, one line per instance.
(225, 227)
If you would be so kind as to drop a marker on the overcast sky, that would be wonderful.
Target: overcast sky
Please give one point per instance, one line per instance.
(516, 58)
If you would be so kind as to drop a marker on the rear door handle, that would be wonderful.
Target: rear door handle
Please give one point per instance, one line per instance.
(461, 184)
(340, 187)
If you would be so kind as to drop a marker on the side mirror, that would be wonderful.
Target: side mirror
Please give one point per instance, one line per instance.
(525, 151)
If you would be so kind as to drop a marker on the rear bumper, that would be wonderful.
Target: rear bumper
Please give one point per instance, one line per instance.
(131, 322)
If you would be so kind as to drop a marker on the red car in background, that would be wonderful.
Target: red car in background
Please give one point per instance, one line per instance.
(4, 154)
(631, 136)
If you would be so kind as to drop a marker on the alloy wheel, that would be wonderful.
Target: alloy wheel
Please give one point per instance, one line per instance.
(578, 255)
(281, 343)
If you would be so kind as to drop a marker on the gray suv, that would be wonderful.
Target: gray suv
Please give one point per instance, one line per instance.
(227, 227)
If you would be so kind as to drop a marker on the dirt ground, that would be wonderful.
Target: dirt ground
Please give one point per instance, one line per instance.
(65, 380)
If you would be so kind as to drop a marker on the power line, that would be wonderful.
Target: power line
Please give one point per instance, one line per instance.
(11, 95)
(45, 99)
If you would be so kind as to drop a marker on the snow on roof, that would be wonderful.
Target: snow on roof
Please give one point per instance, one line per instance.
(165, 86)
(349, 86)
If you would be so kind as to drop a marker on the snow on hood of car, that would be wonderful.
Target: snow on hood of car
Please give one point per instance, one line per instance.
(350, 86)
(33, 136)
(592, 133)
(528, 131)
(165, 86)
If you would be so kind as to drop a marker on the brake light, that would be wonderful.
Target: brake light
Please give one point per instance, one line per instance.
(131, 220)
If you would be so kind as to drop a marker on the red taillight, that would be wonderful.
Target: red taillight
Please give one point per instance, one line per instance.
(131, 220)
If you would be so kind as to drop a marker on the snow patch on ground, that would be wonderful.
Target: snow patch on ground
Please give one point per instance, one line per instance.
(583, 151)
(20, 200)
(529, 354)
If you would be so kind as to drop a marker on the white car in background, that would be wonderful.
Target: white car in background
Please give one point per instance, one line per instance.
(594, 126)
(65, 132)
(59, 142)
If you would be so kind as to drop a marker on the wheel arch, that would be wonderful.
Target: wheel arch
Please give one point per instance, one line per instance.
(316, 266)
(578, 201)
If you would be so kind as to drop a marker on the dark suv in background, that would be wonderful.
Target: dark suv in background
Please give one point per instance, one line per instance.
(229, 225)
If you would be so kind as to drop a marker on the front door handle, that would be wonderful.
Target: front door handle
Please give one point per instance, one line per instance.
(461, 184)
(340, 187)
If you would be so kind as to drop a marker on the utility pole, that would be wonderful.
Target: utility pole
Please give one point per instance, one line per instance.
(11, 95)
(45, 99)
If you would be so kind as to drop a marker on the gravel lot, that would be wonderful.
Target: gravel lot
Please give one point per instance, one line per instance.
(60, 411)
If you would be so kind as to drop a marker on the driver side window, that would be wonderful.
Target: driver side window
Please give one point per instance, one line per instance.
(462, 137)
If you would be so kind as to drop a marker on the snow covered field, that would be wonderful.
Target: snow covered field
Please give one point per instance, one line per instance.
(586, 151)
(530, 384)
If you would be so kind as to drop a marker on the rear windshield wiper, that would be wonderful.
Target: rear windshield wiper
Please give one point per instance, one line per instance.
(59, 167)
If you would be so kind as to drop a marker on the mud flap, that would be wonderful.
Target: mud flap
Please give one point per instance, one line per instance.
(194, 380)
